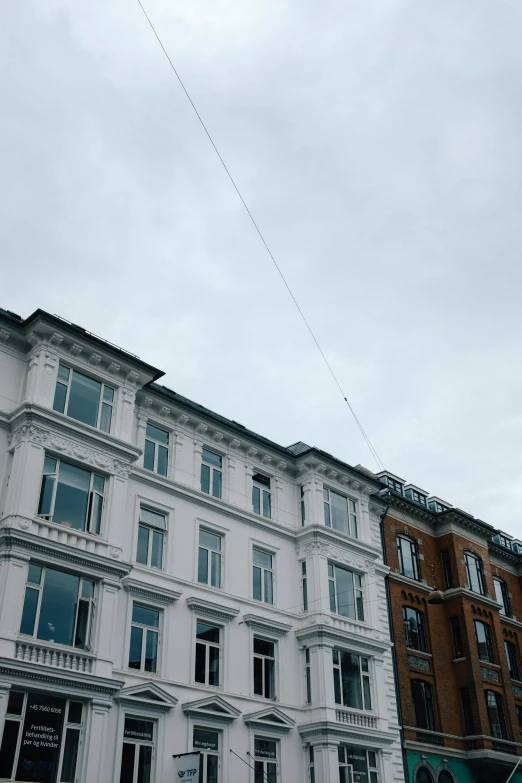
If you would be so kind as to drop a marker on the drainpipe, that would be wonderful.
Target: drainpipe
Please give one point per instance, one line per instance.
(394, 657)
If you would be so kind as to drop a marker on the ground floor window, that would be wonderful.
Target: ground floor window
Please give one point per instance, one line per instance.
(357, 765)
(265, 760)
(207, 742)
(41, 739)
(137, 753)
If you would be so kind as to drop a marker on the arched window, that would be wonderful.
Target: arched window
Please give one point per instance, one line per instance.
(423, 776)
(445, 777)
(408, 558)
(474, 573)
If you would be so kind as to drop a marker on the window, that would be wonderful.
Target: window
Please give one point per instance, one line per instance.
(311, 764)
(423, 776)
(422, 696)
(456, 636)
(512, 659)
(408, 558)
(340, 513)
(392, 484)
(495, 710)
(84, 399)
(446, 569)
(264, 668)
(414, 629)
(211, 473)
(71, 496)
(445, 777)
(308, 676)
(412, 494)
(209, 558)
(151, 533)
(207, 742)
(58, 607)
(484, 642)
(303, 510)
(143, 651)
(60, 737)
(265, 760)
(467, 711)
(351, 675)
(502, 596)
(156, 455)
(519, 717)
(263, 577)
(304, 586)
(137, 751)
(208, 653)
(261, 497)
(357, 764)
(474, 573)
(346, 595)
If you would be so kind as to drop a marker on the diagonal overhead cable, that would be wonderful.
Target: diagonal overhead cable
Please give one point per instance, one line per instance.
(263, 240)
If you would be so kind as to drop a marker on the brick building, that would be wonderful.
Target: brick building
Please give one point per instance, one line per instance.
(458, 661)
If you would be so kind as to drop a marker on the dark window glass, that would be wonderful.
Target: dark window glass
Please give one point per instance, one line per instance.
(84, 398)
(8, 747)
(422, 696)
(60, 395)
(127, 763)
(70, 755)
(143, 544)
(15, 703)
(148, 457)
(466, 710)
(457, 639)
(144, 764)
(151, 651)
(475, 574)
(75, 712)
(495, 710)
(58, 607)
(156, 555)
(205, 479)
(484, 641)
(72, 496)
(136, 642)
(408, 558)
(502, 596)
(414, 628)
(446, 569)
(423, 776)
(512, 658)
(29, 611)
(445, 777)
(163, 458)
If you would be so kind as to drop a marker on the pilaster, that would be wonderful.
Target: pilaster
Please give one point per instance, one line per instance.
(97, 770)
(13, 576)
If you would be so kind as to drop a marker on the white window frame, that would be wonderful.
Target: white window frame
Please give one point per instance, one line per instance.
(151, 528)
(153, 744)
(213, 532)
(263, 569)
(358, 592)
(145, 604)
(351, 511)
(157, 443)
(265, 658)
(212, 468)
(92, 494)
(219, 646)
(101, 401)
(271, 738)
(363, 674)
(263, 488)
(196, 724)
(40, 589)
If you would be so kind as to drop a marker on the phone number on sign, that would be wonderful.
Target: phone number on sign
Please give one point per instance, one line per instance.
(43, 708)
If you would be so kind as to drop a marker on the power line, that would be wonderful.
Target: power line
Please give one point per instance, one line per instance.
(263, 240)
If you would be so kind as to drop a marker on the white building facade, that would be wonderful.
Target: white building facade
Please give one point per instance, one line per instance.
(171, 581)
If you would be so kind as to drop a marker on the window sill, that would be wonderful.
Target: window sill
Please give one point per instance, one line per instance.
(491, 665)
(419, 652)
(459, 660)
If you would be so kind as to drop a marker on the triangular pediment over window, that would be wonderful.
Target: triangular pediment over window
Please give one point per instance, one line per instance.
(271, 717)
(147, 695)
(212, 708)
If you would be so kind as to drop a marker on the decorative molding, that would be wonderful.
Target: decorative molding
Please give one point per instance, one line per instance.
(113, 368)
(217, 437)
(16, 670)
(132, 378)
(56, 340)
(147, 695)
(94, 359)
(489, 674)
(75, 349)
(419, 663)
(70, 448)
(215, 611)
(332, 552)
(4, 335)
(266, 625)
(270, 718)
(164, 411)
(281, 466)
(251, 452)
(213, 708)
(325, 732)
(235, 443)
(321, 633)
(517, 691)
(201, 428)
(182, 419)
(160, 595)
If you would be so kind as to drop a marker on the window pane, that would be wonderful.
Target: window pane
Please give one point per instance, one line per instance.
(207, 633)
(265, 747)
(203, 566)
(152, 518)
(63, 372)
(136, 641)
(75, 712)
(367, 694)
(80, 639)
(144, 764)
(216, 569)
(262, 647)
(259, 773)
(271, 773)
(46, 495)
(151, 651)
(156, 558)
(256, 500)
(268, 587)
(203, 738)
(140, 614)
(148, 457)
(34, 575)
(345, 592)
(269, 679)
(58, 607)
(108, 394)
(127, 763)
(212, 768)
(29, 611)
(72, 495)
(331, 587)
(154, 432)
(163, 458)
(257, 583)
(212, 458)
(205, 479)
(209, 539)
(96, 513)
(258, 676)
(351, 680)
(216, 483)
(201, 657)
(337, 686)
(143, 545)
(60, 394)
(8, 748)
(266, 505)
(339, 512)
(84, 398)
(213, 665)
(262, 558)
(15, 703)
(70, 755)
(106, 417)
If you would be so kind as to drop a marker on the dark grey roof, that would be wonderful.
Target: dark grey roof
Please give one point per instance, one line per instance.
(298, 448)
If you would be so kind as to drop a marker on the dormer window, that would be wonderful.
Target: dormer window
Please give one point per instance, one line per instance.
(413, 493)
(434, 504)
(83, 398)
(392, 483)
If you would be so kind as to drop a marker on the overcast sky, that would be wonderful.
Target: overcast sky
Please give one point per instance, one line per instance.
(378, 144)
